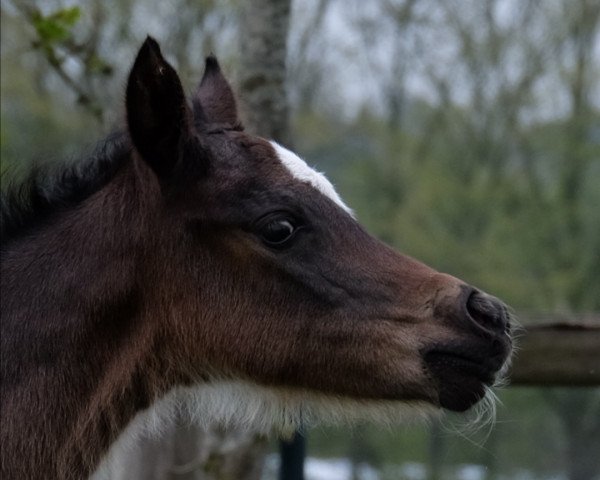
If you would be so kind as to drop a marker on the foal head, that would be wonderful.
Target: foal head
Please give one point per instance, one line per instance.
(263, 286)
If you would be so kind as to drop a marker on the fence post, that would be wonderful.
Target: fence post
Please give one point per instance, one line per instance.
(292, 454)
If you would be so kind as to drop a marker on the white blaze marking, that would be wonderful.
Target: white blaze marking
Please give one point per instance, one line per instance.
(300, 170)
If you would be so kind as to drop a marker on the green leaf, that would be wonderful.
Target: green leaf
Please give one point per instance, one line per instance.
(67, 16)
(57, 26)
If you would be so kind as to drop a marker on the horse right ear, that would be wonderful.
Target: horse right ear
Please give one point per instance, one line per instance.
(213, 100)
(158, 116)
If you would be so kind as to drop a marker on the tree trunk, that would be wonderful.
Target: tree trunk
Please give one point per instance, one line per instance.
(264, 29)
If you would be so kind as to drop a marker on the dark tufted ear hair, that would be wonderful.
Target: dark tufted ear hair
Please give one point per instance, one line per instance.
(158, 116)
(214, 101)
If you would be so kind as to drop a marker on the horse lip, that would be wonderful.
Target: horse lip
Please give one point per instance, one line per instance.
(462, 372)
(481, 368)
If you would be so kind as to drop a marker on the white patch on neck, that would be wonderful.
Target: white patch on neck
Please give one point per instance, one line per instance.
(242, 405)
(300, 170)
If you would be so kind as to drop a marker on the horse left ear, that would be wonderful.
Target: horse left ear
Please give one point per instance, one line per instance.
(214, 101)
(158, 116)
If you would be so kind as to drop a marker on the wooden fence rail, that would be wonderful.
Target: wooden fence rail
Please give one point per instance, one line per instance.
(558, 353)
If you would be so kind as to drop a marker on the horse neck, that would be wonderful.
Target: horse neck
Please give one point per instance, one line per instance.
(75, 344)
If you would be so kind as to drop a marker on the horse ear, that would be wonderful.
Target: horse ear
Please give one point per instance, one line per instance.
(158, 116)
(214, 101)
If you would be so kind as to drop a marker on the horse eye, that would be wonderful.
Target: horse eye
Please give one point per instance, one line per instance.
(277, 232)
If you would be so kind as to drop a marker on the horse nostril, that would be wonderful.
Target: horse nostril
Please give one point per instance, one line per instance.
(488, 312)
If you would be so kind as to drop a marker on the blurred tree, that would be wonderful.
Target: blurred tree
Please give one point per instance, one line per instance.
(579, 412)
(264, 31)
(54, 38)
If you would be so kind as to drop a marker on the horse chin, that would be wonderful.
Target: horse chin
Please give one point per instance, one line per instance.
(461, 395)
(462, 382)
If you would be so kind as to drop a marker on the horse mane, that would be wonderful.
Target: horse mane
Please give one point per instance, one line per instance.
(47, 190)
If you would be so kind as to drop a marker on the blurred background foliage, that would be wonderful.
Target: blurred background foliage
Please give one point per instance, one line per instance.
(465, 133)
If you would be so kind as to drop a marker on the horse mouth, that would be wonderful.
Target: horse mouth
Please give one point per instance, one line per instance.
(463, 375)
